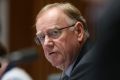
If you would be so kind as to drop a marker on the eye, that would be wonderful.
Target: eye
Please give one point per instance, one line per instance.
(41, 37)
(37, 41)
(54, 33)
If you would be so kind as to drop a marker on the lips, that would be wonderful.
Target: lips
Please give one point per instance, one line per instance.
(51, 53)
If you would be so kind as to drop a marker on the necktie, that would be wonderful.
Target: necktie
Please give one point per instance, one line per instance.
(65, 77)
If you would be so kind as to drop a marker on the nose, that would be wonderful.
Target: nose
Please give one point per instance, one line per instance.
(48, 42)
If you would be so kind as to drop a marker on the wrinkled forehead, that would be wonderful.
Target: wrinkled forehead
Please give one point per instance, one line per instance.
(50, 19)
(43, 30)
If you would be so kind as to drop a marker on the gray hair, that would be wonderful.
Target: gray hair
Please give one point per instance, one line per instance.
(71, 11)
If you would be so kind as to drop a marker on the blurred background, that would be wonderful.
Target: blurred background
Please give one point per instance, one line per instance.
(17, 18)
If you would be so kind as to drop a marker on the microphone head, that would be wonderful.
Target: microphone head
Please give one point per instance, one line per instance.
(23, 55)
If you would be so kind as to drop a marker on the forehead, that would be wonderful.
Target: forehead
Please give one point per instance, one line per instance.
(50, 19)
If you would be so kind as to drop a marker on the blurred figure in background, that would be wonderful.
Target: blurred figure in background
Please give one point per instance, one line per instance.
(9, 71)
(108, 38)
(105, 16)
(3, 62)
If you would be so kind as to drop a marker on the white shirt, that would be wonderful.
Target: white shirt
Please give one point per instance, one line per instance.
(16, 74)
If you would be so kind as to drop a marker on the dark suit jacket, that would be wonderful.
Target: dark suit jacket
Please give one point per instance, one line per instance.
(88, 65)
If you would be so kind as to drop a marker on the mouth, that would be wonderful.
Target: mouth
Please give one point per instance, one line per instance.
(51, 53)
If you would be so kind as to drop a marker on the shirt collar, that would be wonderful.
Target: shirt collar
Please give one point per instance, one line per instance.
(68, 71)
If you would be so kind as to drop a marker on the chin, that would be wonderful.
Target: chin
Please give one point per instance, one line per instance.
(57, 62)
(61, 67)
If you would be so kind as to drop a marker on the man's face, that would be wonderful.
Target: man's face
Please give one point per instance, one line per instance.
(61, 50)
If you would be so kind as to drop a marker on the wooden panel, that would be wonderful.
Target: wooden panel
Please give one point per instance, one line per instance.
(20, 24)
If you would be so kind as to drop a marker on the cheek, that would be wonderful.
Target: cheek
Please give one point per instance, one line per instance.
(69, 46)
(67, 43)
(62, 46)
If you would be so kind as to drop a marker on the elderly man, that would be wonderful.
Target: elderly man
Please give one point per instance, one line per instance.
(63, 34)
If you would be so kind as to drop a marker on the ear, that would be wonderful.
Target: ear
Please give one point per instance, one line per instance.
(80, 31)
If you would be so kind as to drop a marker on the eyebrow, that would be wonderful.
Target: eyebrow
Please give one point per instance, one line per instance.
(54, 26)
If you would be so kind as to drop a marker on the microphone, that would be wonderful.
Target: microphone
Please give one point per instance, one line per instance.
(23, 55)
